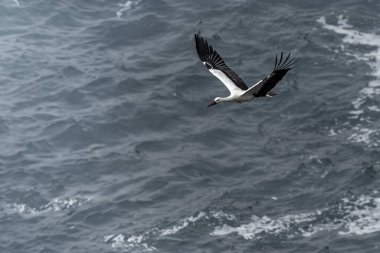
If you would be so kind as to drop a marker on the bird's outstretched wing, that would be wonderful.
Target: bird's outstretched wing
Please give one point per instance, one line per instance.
(281, 67)
(215, 64)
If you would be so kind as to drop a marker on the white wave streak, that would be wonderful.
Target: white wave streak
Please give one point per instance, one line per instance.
(123, 243)
(352, 216)
(55, 205)
(368, 93)
(126, 6)
(364, 218)
(144, 240)
(220, 215)
(184, 223)
(141, 242)
(267, 226)
(362, 134)
(17, 2)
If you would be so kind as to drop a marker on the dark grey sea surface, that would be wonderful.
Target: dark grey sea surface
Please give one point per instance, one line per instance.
(107, 144)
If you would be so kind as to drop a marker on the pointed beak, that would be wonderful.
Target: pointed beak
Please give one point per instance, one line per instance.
(211, 104)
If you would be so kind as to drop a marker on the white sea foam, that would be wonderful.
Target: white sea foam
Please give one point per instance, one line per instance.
(143, 241)
(21, 209)
(260, 226)
(364, 218)
(123, 243)
(57, 204)
(364, 134)
(220, 215)
(126, 6)
(183, 224)
(356, 216)
(374, 108)
(350, 216)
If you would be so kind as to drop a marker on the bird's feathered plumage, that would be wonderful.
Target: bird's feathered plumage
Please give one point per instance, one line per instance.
(265, 85)
(239, 90)
(212, 60)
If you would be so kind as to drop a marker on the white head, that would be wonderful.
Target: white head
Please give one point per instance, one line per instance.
(217, 100)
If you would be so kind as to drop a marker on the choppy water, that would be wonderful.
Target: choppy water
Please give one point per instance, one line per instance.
(107, 145)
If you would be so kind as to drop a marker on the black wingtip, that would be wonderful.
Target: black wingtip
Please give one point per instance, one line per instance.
(196, 36)
(282, 54)
(201, 42)
(203, 48)
(275, 63)
(198, 39)
(285, 64)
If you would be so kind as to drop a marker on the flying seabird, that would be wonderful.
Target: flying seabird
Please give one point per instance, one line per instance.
(238, 89)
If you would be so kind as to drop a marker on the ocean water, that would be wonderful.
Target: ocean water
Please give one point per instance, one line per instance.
(107, 144)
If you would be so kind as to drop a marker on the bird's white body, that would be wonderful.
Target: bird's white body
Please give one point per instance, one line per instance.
(236, 94)
(237, 97)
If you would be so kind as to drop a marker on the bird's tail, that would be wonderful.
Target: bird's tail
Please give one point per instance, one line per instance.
(271, 94)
